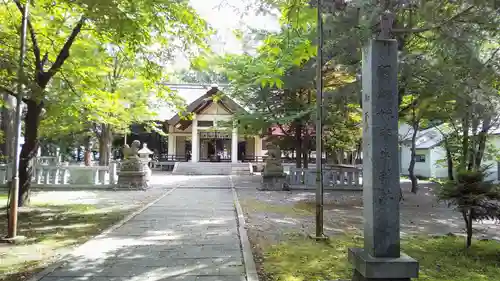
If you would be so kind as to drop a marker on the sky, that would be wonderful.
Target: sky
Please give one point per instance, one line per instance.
(226, 16)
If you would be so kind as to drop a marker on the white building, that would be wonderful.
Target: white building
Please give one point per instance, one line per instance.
(205, 137)
(431, 155)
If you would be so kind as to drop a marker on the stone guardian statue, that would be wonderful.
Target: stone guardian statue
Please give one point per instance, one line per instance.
(132, 174)
(273, 177)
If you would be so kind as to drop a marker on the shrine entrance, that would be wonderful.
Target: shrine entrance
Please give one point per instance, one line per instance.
(215, 146)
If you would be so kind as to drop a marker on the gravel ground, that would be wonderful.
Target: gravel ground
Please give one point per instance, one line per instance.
(271, 216)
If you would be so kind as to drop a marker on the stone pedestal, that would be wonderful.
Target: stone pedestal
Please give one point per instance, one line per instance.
(368, 268)
(381, 259)
(132, 180)
(134, 173)
(274, 182)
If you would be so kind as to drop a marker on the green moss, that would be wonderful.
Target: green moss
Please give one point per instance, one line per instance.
(251, 205)
(69, 208)
(3, 200)
(443, 259)
(446, 259)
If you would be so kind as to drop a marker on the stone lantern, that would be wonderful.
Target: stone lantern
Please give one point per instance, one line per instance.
(144, 154)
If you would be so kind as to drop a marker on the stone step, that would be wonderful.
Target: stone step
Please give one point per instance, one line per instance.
(210, 168)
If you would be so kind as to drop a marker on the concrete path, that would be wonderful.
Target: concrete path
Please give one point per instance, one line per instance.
(190, 234)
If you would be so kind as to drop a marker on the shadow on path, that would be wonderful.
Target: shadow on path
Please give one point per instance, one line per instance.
(191, 234)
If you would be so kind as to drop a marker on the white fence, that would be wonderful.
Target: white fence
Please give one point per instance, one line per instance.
(334, 177)
(49, 172)
(46, 174)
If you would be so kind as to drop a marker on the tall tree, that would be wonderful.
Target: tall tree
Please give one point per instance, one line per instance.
(204, 76)
(423, 30)
(277, 82)
(56, 27)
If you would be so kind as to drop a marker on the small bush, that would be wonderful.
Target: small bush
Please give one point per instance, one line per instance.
(473, 196)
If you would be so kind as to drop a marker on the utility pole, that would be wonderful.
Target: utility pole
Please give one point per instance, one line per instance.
(14, 199)
(331, 6)
(319, 126)
(319, 235)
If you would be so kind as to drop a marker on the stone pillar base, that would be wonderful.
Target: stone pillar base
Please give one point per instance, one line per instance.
(274, 183)
(132, 180)
(368, 268)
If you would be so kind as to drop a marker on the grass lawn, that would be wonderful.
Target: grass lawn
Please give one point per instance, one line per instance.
(3, 200)
(297, 209)
(48, 228)
(441, 259)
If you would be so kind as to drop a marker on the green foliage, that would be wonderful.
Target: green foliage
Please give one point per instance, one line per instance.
(71, 49)
(472, 191)
(342, 129)
(204, 76)
(277, 84)
(473, 196)
(114, 61)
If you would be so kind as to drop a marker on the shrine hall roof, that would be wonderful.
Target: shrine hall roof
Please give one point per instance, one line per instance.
(187, 92)
(190, 95)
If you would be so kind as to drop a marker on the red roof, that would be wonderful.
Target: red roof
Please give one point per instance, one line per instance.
(276, 130)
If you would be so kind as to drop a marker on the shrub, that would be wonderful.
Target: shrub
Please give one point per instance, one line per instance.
(473, 196)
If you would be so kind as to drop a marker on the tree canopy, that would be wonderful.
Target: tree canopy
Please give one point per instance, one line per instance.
(87, 60)
(448, 55)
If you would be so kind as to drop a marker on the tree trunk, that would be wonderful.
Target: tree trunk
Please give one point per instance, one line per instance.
(88, 151)
(28, 151)
(305, 151)
(305, 158)
(79, 153)
(298, 146)
(359, 151)
(480, 151)
(333, 157)
(449, 159)
(105, 140)
(465, 141)
(469, 227)
(481, 146)
(338, 153)
(8, 117)
(411, 167)
(473, 141)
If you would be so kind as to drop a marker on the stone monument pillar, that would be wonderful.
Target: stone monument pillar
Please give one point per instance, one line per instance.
(381, 259)
(132, 174)
(273, 177)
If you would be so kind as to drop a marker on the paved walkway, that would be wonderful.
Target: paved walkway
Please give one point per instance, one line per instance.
(190, 234)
